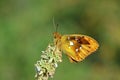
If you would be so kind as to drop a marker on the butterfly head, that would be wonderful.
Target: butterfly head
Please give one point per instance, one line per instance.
(56, 35)
(57, 38)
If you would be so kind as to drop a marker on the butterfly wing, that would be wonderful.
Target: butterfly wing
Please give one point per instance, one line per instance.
(78, 47)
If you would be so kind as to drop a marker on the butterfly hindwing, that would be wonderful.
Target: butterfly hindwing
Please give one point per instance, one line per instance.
(78, 46)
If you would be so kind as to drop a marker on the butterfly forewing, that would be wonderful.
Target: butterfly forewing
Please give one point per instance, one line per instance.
(78, 47)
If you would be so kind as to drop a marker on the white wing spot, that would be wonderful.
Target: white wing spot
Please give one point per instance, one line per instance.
(71, 43)
(68, 38)
(80, 47)
(76, 38)
(76, 50)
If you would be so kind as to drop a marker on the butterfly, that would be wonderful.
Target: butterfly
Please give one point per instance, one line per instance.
(76, 46)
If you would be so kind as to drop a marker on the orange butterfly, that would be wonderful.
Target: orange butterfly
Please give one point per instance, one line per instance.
(76, 46)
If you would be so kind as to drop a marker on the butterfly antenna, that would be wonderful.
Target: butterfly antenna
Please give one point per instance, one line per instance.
(55, 25)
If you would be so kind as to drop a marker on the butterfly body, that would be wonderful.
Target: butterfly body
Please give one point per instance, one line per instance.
(76, 46)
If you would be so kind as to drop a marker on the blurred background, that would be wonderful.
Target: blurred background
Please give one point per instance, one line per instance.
(26, 29)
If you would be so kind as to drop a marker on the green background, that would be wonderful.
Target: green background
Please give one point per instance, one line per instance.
(26, 29)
